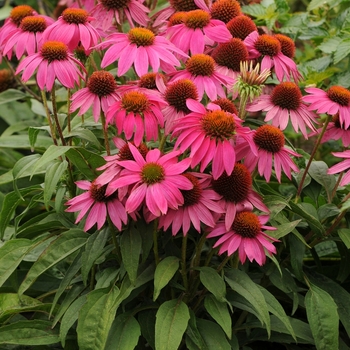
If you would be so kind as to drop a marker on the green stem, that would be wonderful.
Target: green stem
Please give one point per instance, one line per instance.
(242, 105)
(48, 115)
(183, 262)
(199, 249)
(312, 155)
(155, 242)
(162, 142)
(223, 263)
(105, 133)
(69, 127)
(54, 109)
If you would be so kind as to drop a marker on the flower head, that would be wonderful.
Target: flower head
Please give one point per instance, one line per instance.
(241, 26)
(141, 48)
(7, 80)
(246, 236)
(156, 181)
(53, 61)
(287, 45)
(284, 104)
(100, 93)
(335, 100)
(225, 10)
(98, 205)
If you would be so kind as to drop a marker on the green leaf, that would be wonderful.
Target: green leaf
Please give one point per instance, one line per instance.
(11, 95)
(342, 51)
(34, 332)
(327, 210)
(33, 135)
(171, 323)
(5, 12)
(20, 142)
(213, 282)
(95, 319)
(255, 10)
(23, 166)
(52, 153)
(124, 333)
(11, 254)
(52, 176)
(329, 45)
(219, 312)
(297, 252)
(284, 229)
(66, 244)
(165, 271)
(344, 234)
(282, 6)
(147, 321)
(213, 336)
(11, 301)
(130, 247)
(84, 134)
(70, 317)
(194, 340)
(322, 315)
(241, 283)
(276, 309)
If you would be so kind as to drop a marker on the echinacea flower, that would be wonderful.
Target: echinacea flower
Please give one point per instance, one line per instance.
(29, 36)
(197, 31)
(156, 181)
(271, 153)
(246, 236)
(335, 100)
(269, 48)
(342, 166)
(53, 61)
(106, 11)
(200, 206)
(141, 48)
(100, 93)
(210, 136)
(137, 114)
(241, 26)
(7, 80)
(287, 45)
(73, 27)
(237, 193)
(284, 103)
(225, 10)
(205, 74)
(96, 205)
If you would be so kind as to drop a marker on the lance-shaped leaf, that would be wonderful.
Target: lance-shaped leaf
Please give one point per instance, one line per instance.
(213, 282)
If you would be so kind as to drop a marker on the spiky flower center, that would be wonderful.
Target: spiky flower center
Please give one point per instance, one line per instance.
(339, 94)
(114, 4)
(246, 224)
(286, 95)
(230, 54)
(201, 64)
(197, 19)
(33, 24)
(125, 153)
(98, 193)
(183, 5)
(20, 12)
(241, 26)
(101, 83)
(54, 51)
(75, 16)
(287, 45)
(192, 196)
(218, 124)
(152, 173)
(134, 101)
(235, 187)
(148, 81)
(267, 45)
(269, 138)
(7, 79)
(141, 36)
(178, 92)
(226, 105)
(225, 10)
(176, 18)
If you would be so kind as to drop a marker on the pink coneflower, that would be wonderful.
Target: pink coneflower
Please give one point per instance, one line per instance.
(237, 193)
(156, 181)
(203, 71)
(271, 153)
(246, 236)
(210, 135)
(200, 206)
(72, 27)
(335, 100)
(100, 93)
(141, 48)
(106, 11)
(88, 5)
(287, 45)
(225, 104)
(98, 204)
(284, 103)
(197, 31)
(7, 80)
(137, 113)
(225, 10)
(241, 26)
(269, 48)
(53, 61)
(342, 166)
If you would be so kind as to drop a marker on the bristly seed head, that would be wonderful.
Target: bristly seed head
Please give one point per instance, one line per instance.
(178, 92)
(269, 138)
(115, 5)
(141, 36)
(125, 153)
(225, 10)
(196, 19)
(218, 124)
(192, 196)
(287, 45)
(75, 16)
(54, 51)
(177, 18)
(201, 64)
(268, 45)
(246, 224)
(235, 187)
(7, 80)
(339, 94)
(20, 12)
(33, 24)
(183, 5)
(152, 173)
(226, 105)
(135, 101)
(148, 81)
(101, 83)
(287, 95)
(241, 26)
(98, 193)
